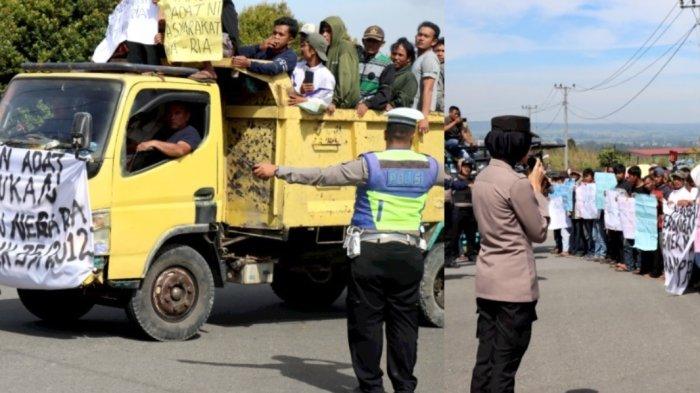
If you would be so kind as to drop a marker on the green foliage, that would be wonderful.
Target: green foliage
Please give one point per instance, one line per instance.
(255, 23)
(50, 30)
(610, 156)
(32, 118)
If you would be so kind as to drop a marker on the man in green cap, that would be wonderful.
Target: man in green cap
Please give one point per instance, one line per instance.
(312, 81)
(342, 62)
(376, 72)
(384, 247)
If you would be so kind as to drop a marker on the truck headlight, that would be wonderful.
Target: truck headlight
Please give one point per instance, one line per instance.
(101, 226)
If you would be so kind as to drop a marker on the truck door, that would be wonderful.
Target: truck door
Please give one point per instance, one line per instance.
(154, 193)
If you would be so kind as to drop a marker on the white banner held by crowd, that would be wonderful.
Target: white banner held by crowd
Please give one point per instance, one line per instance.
(132, 20)
(627, 216)
(45, 220)
(585, 202)
(678, 257)
(557, 214)
(612, 211)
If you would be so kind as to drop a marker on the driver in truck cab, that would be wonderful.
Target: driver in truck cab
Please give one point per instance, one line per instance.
(179, 138)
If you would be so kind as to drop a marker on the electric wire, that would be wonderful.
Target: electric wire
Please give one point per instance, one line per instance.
(636, 55)
(643, 89)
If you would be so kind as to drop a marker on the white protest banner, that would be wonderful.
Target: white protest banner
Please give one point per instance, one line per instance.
(131, 20)
(678, 258)
(612, 211)
(193, 30)
(143, 22)
(557, 214)
(45, 220)
(585, 202)
(627, 217)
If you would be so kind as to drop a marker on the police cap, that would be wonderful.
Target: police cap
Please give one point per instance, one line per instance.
(512, 123)
(405, 116)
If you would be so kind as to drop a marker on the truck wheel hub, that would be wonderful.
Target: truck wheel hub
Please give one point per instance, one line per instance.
(174, 294)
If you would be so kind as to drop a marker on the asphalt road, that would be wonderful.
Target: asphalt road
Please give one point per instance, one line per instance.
(252, 343)
(598, 331)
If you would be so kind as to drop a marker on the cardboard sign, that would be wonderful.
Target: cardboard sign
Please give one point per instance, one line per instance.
(646, 237)
(603, 182)
(46, 239)
(193, 30)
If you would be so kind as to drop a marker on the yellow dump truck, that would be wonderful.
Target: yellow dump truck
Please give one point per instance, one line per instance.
(168, 231)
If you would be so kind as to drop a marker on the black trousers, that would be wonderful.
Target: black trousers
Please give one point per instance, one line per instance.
(384, 288)
(463, 221)
(142, 54)
(229, 22)
(503, 330)
(616, 243)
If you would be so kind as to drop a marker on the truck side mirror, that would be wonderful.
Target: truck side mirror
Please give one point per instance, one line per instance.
(81, 132)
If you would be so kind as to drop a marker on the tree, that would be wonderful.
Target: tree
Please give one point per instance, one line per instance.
(255, 22)
(610, 156)
(50, 30)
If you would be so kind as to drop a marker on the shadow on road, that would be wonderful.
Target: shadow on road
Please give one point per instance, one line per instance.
(321, 374)
(582, 391)
(273, 313)
(17, 319)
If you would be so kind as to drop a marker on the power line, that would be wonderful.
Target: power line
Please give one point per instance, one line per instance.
(624, 66)
(607, 121)
(626, 104)
(556, 115)
(645, 68)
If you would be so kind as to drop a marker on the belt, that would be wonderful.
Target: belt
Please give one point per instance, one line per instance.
(381, 238)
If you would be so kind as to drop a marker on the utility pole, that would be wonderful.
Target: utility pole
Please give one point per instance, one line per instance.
(529, 109)
(565, 89)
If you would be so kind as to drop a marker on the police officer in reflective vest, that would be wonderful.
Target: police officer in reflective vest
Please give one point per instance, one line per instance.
(384, 246)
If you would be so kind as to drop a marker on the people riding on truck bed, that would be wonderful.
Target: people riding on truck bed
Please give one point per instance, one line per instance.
(366, 85)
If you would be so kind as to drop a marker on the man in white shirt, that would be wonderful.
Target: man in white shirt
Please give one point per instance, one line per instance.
(426, 69)
(684, 192)
(312, 81)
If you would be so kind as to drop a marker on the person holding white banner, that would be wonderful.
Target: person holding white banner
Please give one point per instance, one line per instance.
(631, 256)
(134, 23)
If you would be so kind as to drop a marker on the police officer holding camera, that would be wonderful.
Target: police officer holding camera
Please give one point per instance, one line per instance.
(384, 247)
(511, 212)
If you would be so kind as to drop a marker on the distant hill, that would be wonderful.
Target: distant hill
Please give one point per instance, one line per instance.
(623, 135)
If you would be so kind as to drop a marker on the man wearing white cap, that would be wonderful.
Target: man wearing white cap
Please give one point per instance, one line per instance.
(384, 247)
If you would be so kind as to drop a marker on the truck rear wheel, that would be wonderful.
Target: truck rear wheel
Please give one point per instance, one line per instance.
(176, 296)
(56, 306)
(432, 287)
(309, 290)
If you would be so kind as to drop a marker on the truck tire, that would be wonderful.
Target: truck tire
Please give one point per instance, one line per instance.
(58, 306)
(432, 287)
(304, 290)
(176, 295)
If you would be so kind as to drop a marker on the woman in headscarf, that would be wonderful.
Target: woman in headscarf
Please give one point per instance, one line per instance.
(511, 213)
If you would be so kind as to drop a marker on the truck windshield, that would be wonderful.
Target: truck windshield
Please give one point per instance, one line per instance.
(38, 113)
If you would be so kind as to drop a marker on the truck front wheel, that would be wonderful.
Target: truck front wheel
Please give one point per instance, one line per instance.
(56, 306)
(176, 295)
(432, 287)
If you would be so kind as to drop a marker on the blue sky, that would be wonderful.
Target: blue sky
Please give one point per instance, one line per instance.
(398, 18)
(507, 53)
